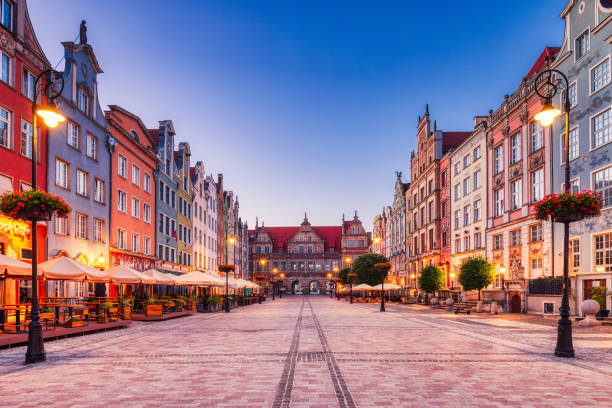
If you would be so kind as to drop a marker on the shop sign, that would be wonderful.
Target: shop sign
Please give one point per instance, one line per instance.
(15, 228)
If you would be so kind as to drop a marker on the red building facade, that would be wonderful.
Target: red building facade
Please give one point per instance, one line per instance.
(132, 233)
(445, 204)
(21, 61)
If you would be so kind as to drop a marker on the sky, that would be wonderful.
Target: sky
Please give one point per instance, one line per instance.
(305, 106)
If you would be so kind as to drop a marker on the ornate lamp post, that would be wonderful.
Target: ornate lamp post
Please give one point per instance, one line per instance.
(273, 281)
(227, 269)
(259, 279)
(383, 268)
(351, 276)
(547, 87)
(331, 282)
(280, 293)
(452, 276)
(338, 282)
(36, 349)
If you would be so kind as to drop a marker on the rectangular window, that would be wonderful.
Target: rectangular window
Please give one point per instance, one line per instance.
(5, 68)
(91, 148)
(98, 230)
(135, 242)
(146, 245)
(516, 189)
(135, 175)
(535, 233)
(83, 101)
(477, 210)
(122, 201)
(515, 237)
(536, 134)
(61, 226)
(73, 136)
(600, 75)
(498, 164)
(466, 186)
(499, 202)
(457, 168)
(431, 211)
(476, 153)
(147, 183)
(27, 84)
(583, 44)
(161, 190)
(26, 139)
(82, 181)
(466, 243)
(146, 213)
(600, 129)
(121, 238)
(537, 185)
(574, 246)
(7, 14)
(466, 160)
(477, 179)
(5, 128)
(477, 240)
(457, 245)
(81, 226)
(498, 241)
(466, 215)
(62, 170)
(99, 190)
(574, 149)
(443, 210)
(443, 178)
(457, 191)
(602, 183)
(431, 239)
(515, 147)
(457, 219)
(121, 166)
(135, 208)
(161, 223)
(536, 267)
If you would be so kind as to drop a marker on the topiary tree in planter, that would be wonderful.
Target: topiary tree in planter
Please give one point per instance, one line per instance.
(431, 279)
(366, 272)
(476, 274)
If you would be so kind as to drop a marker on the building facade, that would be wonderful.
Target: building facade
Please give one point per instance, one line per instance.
(518, 175)
(468, 174)
(132, 221)
(78, 165)
(22, 59)
(397, 221)
(445, 218)
(306, 254)
(185, 201)
(585, 59)
(423, 195)
(166, 199)
(198, 183)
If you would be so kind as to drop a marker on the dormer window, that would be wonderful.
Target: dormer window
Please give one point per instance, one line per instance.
(7, 14)
(83, 101)
(134, 135)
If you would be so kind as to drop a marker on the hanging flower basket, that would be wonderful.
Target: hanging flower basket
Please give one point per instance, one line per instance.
(260, 277)
(227, 268)
(33, 205)
(383, 266)
(569, 207)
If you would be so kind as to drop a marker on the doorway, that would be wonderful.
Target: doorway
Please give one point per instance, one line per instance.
(515, 304)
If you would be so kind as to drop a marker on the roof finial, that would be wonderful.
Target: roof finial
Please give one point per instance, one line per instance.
(356, 215)
(427, 108)
(435, 125)
(83, 32)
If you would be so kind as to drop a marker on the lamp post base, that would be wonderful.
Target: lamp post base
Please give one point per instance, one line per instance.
(36, 350)
(227, 305)
(564, 348)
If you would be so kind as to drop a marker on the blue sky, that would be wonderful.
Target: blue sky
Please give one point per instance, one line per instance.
(305, 106)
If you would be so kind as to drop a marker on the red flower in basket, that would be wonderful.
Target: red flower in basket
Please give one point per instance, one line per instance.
(227, 268)
(568, 207)
(35, 205)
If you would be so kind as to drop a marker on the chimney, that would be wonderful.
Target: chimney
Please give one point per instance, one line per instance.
(478, 120)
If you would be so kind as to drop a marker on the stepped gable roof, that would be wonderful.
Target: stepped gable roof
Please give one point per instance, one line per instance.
(450, 140)
(154, 134)
(549, 53)
(332, 235)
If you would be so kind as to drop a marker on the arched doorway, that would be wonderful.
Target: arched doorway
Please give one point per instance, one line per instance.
(313, 287)
(515, 304)
(296, 288)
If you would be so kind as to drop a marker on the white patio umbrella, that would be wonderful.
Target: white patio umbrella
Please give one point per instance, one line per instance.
(363, 286)
(12, 267)
(217, 280)
(195, 278)
(160, 277)
(66, 268)
(125, 274)
(388, 286)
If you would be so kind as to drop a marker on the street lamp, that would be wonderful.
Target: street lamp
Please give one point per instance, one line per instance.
(280, 293)
(351, 276)
(452, 276)
(546, 116)
(49, 114)
(338, 282)
(231, 240)
(330, 281)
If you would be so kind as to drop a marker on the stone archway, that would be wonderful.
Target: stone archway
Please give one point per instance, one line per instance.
(314, 287)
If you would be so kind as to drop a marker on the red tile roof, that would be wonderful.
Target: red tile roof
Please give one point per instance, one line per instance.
(332, 235)
(451, 140)
(154, 133)
(550, 53)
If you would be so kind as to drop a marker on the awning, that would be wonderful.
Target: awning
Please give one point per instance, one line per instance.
(124, 274)
(14, 268)
(388, 286)
(196, 278)
(66, 268)
(160, 277)
(363, 286)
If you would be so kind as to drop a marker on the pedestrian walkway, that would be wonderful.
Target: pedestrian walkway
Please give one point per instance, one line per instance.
(314, 352)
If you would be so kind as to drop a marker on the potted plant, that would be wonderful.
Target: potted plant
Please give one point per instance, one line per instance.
(153, 308)
(125, 308)
(103, 316)
(33, 205)
(213, 303)
(568, 207)
(599, 294)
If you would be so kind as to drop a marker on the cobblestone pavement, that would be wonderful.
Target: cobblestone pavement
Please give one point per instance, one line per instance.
(315, 352)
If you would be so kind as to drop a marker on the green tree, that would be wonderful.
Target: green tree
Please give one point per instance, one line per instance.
(363, 266)
(431, 279)
(342, 275)
(476, 274)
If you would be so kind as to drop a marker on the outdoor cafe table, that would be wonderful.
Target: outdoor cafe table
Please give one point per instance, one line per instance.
(4, 313)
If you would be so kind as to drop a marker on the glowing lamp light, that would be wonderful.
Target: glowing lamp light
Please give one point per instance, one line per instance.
(275, 270)
(413, 276)
(282, 275)
(50, 115)
(262, 261)
(101, 259)
(347, 260)
(600, 269)
(376, 240)
(547, 114)
(329, 275)
(231, 240)
(452, 275)
(502, 270)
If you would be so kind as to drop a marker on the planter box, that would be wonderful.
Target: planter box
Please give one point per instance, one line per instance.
(153, 310)
(73, 323)
(47, 315)
(103, 317)
(191, 306)
(125, 312)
